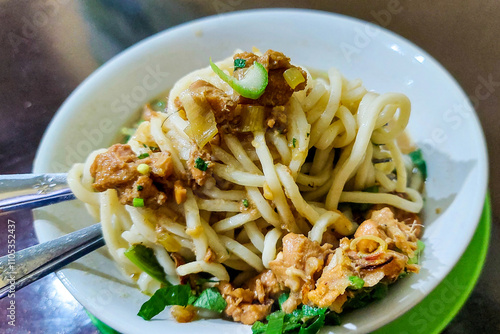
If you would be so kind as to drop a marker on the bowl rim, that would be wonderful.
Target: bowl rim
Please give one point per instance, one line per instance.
(64, 113)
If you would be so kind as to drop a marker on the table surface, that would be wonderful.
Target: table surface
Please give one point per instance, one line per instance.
(48, 47)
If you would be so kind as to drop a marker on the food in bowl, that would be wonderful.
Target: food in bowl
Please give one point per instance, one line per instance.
(262, 192)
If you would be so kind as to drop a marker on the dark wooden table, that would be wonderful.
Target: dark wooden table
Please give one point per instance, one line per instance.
(49, 46)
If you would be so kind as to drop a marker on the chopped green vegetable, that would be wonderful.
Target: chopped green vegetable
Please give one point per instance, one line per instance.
(356, 282)
(211, 299)
(170, 295)
(138, 202)
(252, 86)
(294, 142)
(275, 322)
(314, 327)
(418, 161)
(143, 155)
(154, 148)
(127, 131)
(139, 188)
(309, 311)
(143, 169)
(246, 204)
(366, 296)
(305, 319)
(420, 248)
(201, 164)
(144, 258)
(239, 63)
(259, 327)
(282, 298)
(158, 105)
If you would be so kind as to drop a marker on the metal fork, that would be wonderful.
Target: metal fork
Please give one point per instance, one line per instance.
(28, 191)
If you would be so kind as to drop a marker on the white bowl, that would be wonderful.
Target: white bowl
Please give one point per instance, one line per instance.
(443, 123)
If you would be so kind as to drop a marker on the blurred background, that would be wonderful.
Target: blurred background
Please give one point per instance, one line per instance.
(49, 46)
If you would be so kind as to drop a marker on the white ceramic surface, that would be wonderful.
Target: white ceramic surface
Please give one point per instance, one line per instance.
(443, 123)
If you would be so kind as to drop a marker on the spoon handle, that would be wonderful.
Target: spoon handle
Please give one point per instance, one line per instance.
(28, 265)
(28, 191)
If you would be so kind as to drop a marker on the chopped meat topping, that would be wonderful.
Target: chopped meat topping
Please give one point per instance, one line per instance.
(223, 106)
(382, 224)
(117, 169)
(277, 92)
(251, 304)
(297, 267)
(200, 176)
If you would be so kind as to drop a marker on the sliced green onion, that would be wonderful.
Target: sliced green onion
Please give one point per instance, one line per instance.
(143, 169)
(246, 204)
(356, 282)
(138, 202)
(144, 258)
(239, 63)
(201, 164)
(252, 86)
(143, 155)
(293, 77)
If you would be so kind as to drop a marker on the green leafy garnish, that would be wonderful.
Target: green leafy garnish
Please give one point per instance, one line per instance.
(282, 298)
(246, 204)
(239, 63)
(420, 248)
(139, 188)
(252, 86)
(356, 282)
(294, 142)
(201, 164)
(144, 258)
(211, 299)
(275, 322)
(143, 155)
(305, 319)
(418, 161)
(170, 295)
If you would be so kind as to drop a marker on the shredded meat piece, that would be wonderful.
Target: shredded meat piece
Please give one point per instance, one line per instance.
(251, 304)
(198, 175)
(333, 281)
(277, 92)
(298, 265)
(117, 169)
(382, 224)
(223, 106)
